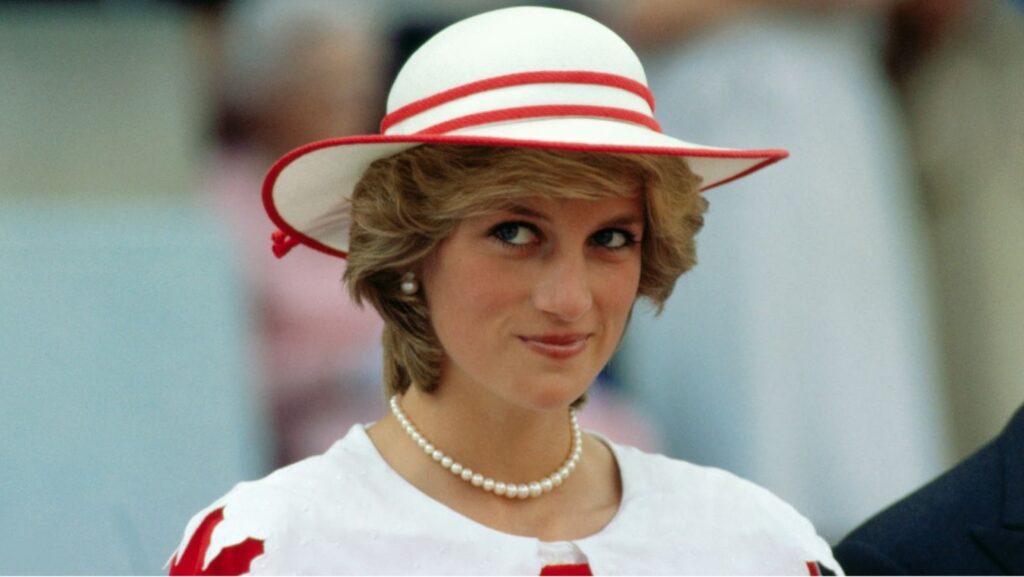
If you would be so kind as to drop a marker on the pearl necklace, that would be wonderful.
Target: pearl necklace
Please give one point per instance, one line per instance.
(510, 490)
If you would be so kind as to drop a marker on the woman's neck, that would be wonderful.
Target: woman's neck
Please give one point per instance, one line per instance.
(490, 435)
(510, 445)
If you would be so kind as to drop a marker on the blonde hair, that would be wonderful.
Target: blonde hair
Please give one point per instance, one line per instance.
(405, 205)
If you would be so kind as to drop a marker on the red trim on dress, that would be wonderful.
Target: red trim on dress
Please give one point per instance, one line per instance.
(812, 568)
(232, 560)
(567, 569)
(518, 79)
(546, 110)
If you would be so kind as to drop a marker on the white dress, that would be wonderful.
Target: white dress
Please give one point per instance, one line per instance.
(348, 512)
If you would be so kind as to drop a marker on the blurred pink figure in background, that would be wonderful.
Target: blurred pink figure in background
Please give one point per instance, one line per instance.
(295, 72)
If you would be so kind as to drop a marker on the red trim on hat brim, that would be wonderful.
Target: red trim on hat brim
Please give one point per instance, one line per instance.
(771, 155)
(740, 175)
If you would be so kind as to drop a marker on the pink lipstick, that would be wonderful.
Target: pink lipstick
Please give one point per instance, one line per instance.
(557, 346)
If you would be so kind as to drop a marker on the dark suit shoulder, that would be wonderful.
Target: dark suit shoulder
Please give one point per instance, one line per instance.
(928, 532)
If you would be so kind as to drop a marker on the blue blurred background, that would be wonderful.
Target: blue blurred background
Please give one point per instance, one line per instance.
(855, 326)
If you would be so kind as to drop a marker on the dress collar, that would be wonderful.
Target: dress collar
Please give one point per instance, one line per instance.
(596, 547)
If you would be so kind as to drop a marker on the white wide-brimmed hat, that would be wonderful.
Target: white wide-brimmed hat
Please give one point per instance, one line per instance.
(524, 77)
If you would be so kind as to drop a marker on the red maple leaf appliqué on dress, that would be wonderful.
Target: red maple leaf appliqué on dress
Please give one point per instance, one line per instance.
(236, 559)
(232, 560)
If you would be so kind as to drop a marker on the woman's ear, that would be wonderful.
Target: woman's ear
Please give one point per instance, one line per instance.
(409, 284)
(424, 270)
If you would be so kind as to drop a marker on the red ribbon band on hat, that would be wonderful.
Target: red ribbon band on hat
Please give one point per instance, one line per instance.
(521, 112)
(519, 79)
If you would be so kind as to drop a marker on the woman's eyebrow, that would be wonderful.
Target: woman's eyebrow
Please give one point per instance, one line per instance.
(626, 219)
(521, 210)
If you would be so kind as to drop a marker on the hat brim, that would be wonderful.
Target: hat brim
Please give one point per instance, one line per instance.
(306, 191)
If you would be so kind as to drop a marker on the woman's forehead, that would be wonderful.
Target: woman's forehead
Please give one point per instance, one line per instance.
(540, 191)
(544, 208)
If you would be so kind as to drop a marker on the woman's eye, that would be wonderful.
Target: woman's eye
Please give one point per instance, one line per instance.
(514, 233)
(613, 238)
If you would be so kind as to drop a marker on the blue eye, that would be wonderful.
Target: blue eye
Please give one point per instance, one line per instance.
(514, 233)
(613, 238)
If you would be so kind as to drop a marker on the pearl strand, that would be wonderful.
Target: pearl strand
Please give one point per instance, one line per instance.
(509, 490)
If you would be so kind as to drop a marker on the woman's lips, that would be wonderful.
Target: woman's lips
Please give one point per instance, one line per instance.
(556, 346)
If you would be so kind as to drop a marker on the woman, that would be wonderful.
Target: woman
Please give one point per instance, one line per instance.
(505, 255)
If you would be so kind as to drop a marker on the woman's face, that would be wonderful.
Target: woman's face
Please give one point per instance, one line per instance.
(530, 303)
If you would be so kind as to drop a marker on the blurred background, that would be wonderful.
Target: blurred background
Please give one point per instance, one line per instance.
(855, 326)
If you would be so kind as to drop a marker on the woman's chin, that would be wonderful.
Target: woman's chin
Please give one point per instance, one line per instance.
(553, 395)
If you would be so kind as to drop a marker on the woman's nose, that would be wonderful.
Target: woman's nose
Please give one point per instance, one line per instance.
(563, 290)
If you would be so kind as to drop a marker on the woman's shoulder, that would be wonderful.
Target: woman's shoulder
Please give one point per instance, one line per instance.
(657, 475)
(235, 533)
(718, 507)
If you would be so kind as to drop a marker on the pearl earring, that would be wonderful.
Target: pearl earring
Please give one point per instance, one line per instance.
(409, 285)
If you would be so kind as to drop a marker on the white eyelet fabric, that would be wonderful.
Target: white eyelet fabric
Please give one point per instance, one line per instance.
(348, 512)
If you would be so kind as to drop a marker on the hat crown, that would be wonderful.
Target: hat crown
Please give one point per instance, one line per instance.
(519, 77)
(510, 41)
